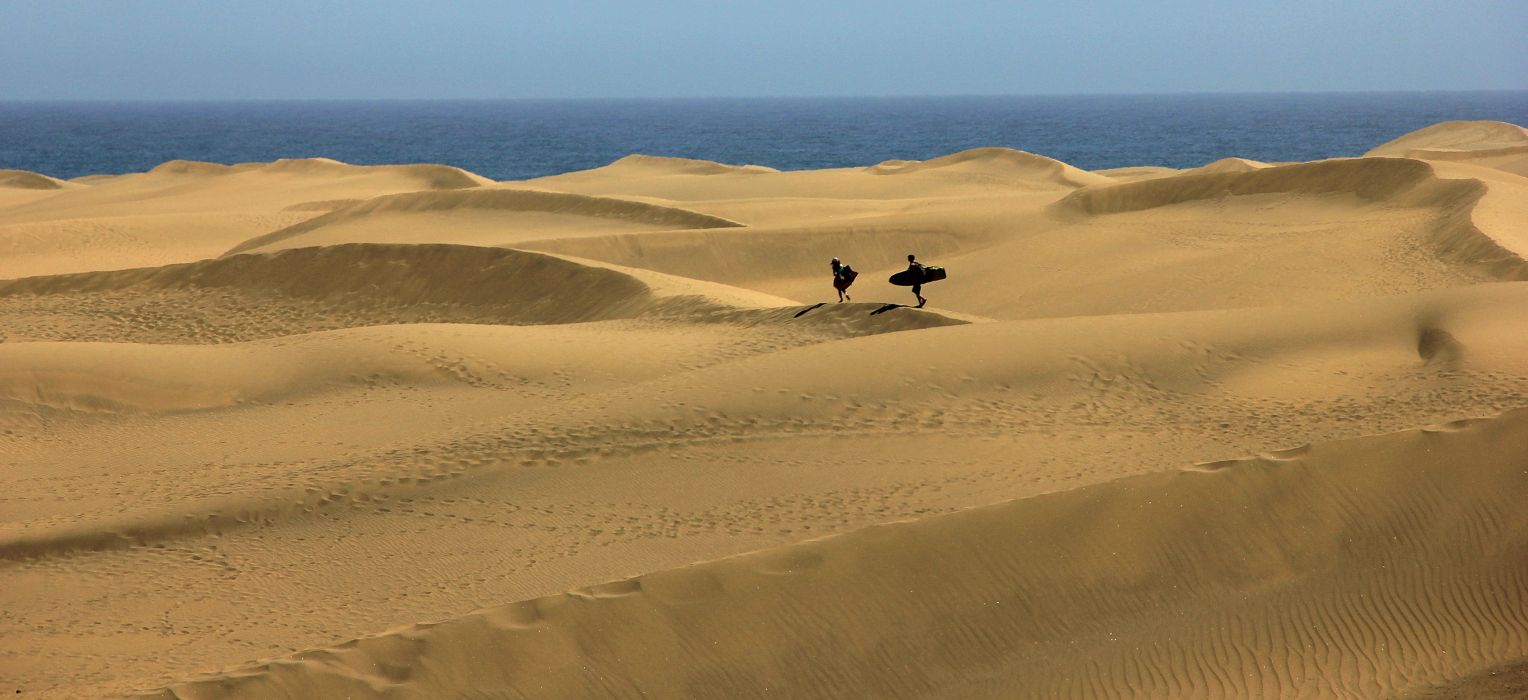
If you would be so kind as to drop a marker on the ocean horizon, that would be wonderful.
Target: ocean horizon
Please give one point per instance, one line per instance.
(526, 138)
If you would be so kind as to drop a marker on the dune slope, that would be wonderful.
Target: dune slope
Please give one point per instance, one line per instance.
(1237, 578)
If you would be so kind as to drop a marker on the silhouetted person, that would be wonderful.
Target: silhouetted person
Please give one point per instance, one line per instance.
(916, 268)
(843, 276)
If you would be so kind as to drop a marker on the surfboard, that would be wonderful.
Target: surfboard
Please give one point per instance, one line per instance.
(908, 278)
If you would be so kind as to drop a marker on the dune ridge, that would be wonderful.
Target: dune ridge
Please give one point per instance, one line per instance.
(497, 199)
(1273, 565)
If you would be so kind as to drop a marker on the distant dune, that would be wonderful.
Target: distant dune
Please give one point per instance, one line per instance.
(659, 166)
(1228, 165)
(22, 179)
(1242, 430)
(999, 164)
(1454, 139)
(497, 200)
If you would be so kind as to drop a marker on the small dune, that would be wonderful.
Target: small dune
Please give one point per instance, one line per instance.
(664, 165)
(999, 164)
(1373, 179)
(301, 290)
(494, 200)
(244, 297)
(1457, 139)
(22, 179)
(1141, 172)
(1229, 165)
(429, 176)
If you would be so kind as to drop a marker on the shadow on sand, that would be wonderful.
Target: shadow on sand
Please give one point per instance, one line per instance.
(804, 311)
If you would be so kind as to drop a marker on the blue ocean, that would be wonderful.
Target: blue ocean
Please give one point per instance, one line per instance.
(518, 139)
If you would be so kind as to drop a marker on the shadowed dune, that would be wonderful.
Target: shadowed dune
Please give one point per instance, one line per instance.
(22, 179)
(300, 290)
(284, 292)
(1234, 579)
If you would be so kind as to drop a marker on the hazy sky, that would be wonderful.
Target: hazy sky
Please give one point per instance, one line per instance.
(210, 49)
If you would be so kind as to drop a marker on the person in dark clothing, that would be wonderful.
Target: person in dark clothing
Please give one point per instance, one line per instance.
(916, 268)
(842, 278)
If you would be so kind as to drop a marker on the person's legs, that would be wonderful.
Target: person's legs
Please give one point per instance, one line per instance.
(918, 292)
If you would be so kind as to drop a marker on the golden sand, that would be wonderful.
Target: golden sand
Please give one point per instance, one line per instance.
(1243, 430)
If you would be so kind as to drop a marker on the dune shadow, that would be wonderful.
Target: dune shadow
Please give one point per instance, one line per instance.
(886, 308)
(808, 309)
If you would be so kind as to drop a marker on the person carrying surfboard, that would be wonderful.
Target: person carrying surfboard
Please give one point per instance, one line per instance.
(916, 269)
(843, 276)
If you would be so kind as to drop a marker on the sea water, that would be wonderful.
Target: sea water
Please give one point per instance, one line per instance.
(517, 139)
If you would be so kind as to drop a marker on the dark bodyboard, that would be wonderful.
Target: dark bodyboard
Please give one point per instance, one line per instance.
(908, 278)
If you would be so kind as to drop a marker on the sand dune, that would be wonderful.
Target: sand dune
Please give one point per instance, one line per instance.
(301, 290)
(183, 211)
(1237, 578)
(998, 164)
(21, 179)
(982, 170)
(535, 213)
(1456, 138)
(1496, 145)
(1142, 172)
(660, 166)
(1344, 229)
(250, 410)
(1228, 165)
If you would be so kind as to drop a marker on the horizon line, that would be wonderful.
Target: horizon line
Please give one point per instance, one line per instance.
(639, 98)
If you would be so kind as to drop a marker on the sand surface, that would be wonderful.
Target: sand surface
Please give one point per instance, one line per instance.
(305, 429)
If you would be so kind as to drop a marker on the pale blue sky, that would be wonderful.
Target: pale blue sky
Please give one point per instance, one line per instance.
(206, 49)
